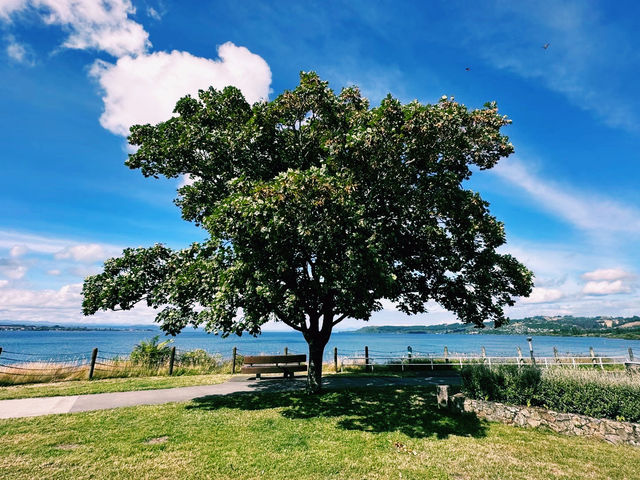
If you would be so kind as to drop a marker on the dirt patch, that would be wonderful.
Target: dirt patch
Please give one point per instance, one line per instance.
(67, 446)
(157, 440)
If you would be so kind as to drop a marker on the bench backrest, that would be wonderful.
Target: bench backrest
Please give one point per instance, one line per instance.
(265, 359)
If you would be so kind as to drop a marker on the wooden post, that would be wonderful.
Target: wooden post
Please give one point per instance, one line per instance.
(520, 359)
(601, 365)
(484, 355)
(172, 359)
(286, 350)
(233, 360)
(555, 355)
(593, 357)
(446, 354)
(366, 359)
(94, 355)
(533, 359)
(409, 353)
(335, 359)
(630, 354)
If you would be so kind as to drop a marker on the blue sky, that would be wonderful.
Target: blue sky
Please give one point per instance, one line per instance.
(74, 75)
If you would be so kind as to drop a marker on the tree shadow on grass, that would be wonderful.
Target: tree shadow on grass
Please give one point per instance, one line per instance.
(409, 410)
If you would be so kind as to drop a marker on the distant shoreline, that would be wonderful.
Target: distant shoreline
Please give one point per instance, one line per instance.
(60, 328)
(566, 326)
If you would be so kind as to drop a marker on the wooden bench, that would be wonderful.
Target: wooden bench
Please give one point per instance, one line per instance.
(286, 364)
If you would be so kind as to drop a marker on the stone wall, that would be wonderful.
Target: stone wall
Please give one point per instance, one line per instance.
(566, 423)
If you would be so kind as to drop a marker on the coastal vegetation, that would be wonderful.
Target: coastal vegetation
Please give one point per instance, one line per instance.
(566, 326)
(150, 358)
(386, 433)
(596, 393)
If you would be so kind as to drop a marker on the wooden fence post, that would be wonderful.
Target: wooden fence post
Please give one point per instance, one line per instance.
(366, 358)
(520, 359)
(233, 361)
(335, 359)
(484, 355)
(172, 359)
(286, 350)
(593, 357)
(94, 355)
(533, 359)
(630, 354)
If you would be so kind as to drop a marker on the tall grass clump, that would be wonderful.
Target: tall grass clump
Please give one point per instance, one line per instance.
(151, 353)
(601, 394)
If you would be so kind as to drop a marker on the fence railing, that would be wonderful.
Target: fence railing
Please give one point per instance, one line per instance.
(31, 367)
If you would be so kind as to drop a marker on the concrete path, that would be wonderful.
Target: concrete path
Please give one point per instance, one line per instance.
(32, 407)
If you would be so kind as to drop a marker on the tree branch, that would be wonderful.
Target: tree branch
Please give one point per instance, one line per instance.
(338, 320)
(288, 323)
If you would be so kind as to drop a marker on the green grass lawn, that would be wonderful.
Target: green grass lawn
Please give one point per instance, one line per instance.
(384, 433)
(79, 387)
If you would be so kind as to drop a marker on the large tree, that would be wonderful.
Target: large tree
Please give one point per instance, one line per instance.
(317, 207)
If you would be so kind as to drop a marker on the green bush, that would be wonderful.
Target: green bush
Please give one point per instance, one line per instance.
(504, 383)
(151, 353)
(200, 357)
(614, 395)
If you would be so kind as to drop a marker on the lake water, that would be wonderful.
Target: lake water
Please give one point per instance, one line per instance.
(60, 345)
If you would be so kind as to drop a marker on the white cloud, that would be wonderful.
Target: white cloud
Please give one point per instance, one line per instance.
(153, 13)
(101, 25)
(4, 283)
(54, 272)
(18, 52)
(584, 210)
(12, 269)
(145, 89)
(18, 251)
(51, 245)
(187, 180)
(63, 305)
(90, 252)
(606, 288)
(544, 295)
(608, 274)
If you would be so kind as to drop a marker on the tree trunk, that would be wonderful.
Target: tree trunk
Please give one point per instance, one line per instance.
(314, 374)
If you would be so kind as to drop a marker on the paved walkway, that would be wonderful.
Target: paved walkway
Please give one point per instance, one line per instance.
(32, 407)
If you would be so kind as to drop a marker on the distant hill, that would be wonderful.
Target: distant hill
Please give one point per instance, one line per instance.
(618, 327)
(63, 328)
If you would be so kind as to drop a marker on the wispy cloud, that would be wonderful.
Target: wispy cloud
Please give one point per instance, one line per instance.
(587, 211)
(104, 25)
(589, 60)
(19, 52)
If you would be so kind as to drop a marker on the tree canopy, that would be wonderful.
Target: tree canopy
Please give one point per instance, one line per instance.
(317, 207)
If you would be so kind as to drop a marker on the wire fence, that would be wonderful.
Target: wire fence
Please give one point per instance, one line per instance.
(27, 367)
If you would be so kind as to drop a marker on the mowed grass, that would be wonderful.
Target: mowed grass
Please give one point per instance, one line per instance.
(80, 387)
(385, 433)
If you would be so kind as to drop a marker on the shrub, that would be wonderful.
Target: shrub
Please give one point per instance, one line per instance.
(614, 395)
(151, 353)
(504, 383)
(201, 358)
